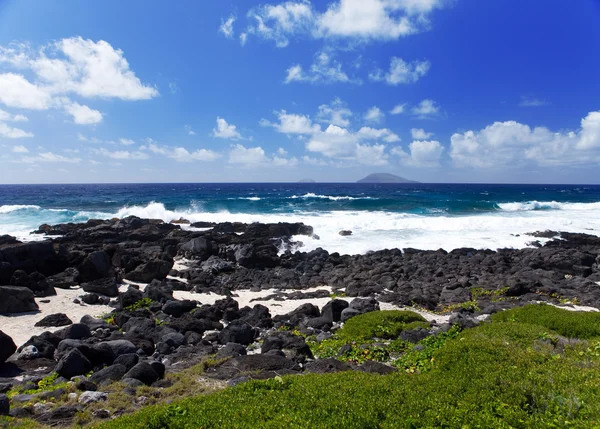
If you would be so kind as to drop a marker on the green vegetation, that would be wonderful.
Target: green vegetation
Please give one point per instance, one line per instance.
(515, 371)
(379, 324)
(569, 324)
(142, 303)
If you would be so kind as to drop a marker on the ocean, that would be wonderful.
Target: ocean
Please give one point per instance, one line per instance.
(423, 216)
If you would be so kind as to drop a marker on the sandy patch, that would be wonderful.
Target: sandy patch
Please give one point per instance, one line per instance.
(21, 326)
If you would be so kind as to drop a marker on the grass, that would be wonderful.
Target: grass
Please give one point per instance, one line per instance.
(502, 374)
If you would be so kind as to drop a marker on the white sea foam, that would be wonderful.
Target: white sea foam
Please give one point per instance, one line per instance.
(330, 197)
(547, 205)
(14, 208)
(372, 230)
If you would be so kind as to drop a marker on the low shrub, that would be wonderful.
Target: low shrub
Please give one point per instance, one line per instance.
(378, 324)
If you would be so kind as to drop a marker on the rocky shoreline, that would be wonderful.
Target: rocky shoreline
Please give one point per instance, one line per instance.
(140, 267)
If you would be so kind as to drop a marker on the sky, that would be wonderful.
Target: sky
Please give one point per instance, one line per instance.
(499, 91)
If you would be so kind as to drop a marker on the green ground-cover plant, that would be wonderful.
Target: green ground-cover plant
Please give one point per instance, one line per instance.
(569, 324)
(142, 303)
(378, 324)
(502, 374)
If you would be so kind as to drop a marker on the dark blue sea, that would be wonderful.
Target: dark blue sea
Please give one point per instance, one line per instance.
(427, 216)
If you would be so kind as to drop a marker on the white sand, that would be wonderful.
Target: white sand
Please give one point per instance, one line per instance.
(21, 326)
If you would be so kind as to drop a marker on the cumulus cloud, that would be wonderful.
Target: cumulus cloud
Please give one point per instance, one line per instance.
(324, 69)
(512, 143)
(335, 113)
(83, 115)
(281, 22)
(256, 156)
(367, 133)
(71, 66)
(189, 130)
(339, 143)
(291, 123)
(420, 134)
(374, 115)
(426, 109)
(16, 91)
(181, 154)
(353, 20)
(227, 27)
(421, 153)
(401, 72)
(13, 133)
(225, 130)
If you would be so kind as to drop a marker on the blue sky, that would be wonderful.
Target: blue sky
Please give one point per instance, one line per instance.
(221, 91)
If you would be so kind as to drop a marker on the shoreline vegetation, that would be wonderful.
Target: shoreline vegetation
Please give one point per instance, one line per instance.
(399, 338)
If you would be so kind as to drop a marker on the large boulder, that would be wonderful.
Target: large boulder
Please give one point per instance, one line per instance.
(72, 364)
(143, 372)
(34, 281)
(53, 320)
(199, 247)
(95, 266)
(34, 256)
(106, 286)
(146, 272)
(15, 299)
(7, 347)
(237, 332)
(64, 280)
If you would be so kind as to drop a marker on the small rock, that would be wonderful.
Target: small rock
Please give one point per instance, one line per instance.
(345, 233)
(4, 405)
(101, 414)
(90, 397)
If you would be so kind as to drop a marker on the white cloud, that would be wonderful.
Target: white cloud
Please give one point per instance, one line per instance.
(335, 113)
(339, 143)
(292, 124)
(353, 20)
(173, 88)
(122, 154)
(16, 91)
(48, 157)
(529, 101)
(426, 109)
(282, 21)
(126, 142)
(282, 152)
(83, 115)
(324, 69)
(420, 134)
(13, 133)
(398, 109)
(83, 138)
(239, 154)
(7, 117)
(243, 39)
(70, 66)
(367, 133)
(511, 143)
(20, 149)
(227, 27)
(401, 72)
(425, 153)
(225, 130)
(256, 156)
(181, 154)
(374, 114)
(189, 130)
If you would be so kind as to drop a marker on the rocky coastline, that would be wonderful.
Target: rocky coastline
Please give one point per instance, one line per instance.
(138, 267)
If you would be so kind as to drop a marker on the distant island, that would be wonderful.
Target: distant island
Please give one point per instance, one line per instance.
(384, 178)
(306, 181)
